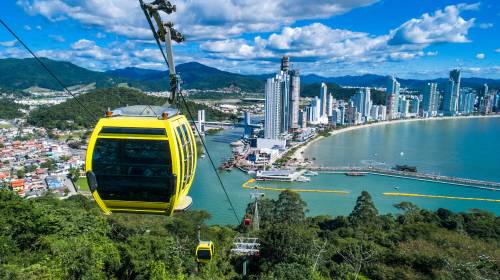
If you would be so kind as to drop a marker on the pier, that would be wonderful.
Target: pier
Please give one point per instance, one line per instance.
(488, 185)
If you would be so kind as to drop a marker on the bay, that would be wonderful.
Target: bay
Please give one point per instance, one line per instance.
(467, 148)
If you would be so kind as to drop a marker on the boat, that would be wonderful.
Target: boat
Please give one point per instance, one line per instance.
(279, 175)
(406, 168)
(310, 173)
(396, 188)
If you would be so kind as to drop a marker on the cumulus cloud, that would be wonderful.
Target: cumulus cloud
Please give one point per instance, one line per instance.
(480, 56)
(497, 50)
(196, 18)
(8, 43)
(443, 26)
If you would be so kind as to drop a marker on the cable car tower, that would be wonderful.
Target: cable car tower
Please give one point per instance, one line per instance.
(249, 246)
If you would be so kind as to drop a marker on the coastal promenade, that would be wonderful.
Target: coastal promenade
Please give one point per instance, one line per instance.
(487, 185)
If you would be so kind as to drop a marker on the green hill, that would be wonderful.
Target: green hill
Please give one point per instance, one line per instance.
(24, 73)
(70, 115)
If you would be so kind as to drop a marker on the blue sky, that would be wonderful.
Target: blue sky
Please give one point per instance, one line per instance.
(410, 38)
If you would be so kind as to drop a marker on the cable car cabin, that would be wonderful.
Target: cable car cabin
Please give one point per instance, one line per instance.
(204, 251)
(137, 162)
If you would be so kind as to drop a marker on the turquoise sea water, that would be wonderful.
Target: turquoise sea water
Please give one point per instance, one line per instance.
(464, 148)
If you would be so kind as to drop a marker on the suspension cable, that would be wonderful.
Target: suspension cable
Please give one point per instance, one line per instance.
(92, 116)
(196, 127)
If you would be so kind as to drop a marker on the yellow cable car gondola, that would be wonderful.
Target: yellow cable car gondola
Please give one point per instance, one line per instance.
(138, 162)
(204, 251)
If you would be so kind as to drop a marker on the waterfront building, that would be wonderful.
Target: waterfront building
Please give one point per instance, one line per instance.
(404, 107)
(486, 104)
(414, 106)
(336, 117)
(329, 105)
(392, 97)
(430, 101)
(342, 115)
(282, 102)
(382, 113)
(302, 123)
(496, 102)
(466, 102)
(272, 122)
(451, 94)
(374, 112)
(323, 96)
(362, 101)
(351, 114)
(294, 99)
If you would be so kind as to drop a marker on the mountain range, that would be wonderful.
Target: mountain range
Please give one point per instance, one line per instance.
(19, 74)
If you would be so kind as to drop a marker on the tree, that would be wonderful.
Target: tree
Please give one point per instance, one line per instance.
(50, 165)
(364, 212)
(20, 173)
(74, 174)
(289, 208)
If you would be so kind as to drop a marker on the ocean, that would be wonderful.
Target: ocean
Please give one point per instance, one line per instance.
(467, 148)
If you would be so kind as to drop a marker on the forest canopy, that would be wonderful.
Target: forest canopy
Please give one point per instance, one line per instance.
(46, 238)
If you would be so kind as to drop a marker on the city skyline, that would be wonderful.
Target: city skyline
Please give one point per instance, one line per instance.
(426, 41)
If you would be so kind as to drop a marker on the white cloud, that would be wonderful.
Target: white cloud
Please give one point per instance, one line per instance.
(486, 25)
(57, 38)
(8, 43)
(480, 56)
(443, 26)
(497, 50)
(100, 35)
(27, 27)
(196, 18)
(322, 43)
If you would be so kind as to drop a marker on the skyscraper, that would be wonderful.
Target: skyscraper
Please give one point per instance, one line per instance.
(429, 106)
(450, 99)
(282, 102)
(392, 97)
(294, 99)
(329, 105)
(272, 124)
(362, 101)
(322, 97)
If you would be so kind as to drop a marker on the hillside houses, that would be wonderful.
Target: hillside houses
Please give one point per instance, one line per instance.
(31, 163)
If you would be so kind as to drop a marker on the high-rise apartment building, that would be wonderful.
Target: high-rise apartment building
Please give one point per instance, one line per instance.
(450, 99)
(282, 102)
(323, 96)
(392, 97)
(362, 101)
(430, 101)
(272, 122)
(294, 99)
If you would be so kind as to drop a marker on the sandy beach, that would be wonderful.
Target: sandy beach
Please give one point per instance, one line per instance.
(299, 156)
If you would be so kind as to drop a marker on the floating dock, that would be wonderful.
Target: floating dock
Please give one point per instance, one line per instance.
(246, 186)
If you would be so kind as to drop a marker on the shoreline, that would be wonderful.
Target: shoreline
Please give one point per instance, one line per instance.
(299, 156)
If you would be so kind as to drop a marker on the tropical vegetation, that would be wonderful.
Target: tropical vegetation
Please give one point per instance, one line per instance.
(48, 238)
